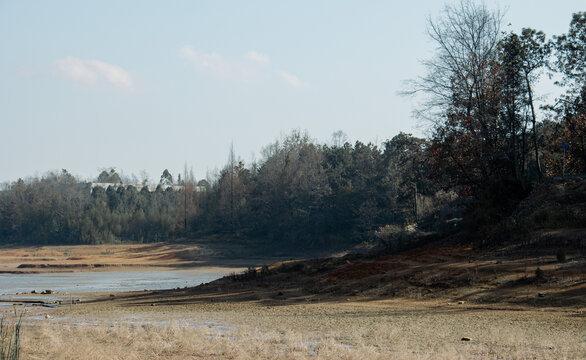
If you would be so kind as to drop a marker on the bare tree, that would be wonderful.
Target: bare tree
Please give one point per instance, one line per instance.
(144, 175)
(339, 138)
(461, 94)
(467, 37)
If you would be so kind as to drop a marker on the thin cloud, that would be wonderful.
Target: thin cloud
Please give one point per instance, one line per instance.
(90, 72)
(210, 61)
(257, 57)
(115, 75)
(216, 64)
(293, 80)
(238, 69)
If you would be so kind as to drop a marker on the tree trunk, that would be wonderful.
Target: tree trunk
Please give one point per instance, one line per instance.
(523, 152)
(534, 121)
(583, 152)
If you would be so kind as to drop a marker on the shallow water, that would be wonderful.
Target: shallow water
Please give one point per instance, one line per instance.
(105, 281)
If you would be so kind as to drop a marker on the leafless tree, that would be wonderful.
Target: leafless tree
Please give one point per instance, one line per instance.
(460, 86)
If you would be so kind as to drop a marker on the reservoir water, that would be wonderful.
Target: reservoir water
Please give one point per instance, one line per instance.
(107, 281)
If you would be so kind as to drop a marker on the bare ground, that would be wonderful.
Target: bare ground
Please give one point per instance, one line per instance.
(417, 304)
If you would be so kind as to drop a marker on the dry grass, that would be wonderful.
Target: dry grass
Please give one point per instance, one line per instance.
(175, 342)
(10, 337)
(381, 330)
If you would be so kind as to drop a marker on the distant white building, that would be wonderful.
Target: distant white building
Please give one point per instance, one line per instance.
(149, 187)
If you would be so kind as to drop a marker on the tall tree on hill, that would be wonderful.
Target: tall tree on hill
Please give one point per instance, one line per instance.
(534, 54)
(290, 188)
(570, 50)
(406, 166)
(513, 92)
(520, 59)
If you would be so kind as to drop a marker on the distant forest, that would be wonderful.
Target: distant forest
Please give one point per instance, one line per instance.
(486, 148)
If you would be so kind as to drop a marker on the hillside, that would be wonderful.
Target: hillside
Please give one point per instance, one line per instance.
(543, 264)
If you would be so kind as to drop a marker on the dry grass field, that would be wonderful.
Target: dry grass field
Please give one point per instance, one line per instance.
(382, 329)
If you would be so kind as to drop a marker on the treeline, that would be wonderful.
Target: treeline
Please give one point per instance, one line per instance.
(307, 194)
(60, 209)
(487, 146)
(301, 194)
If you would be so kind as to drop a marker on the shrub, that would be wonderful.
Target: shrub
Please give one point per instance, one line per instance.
(250, 273)
(264, 271)
(539, 274)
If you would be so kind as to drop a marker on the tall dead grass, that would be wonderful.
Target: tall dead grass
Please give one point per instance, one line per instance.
(10, 337)
(177, 341)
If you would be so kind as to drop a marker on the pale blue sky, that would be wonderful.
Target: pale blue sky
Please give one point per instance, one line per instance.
(146, 85)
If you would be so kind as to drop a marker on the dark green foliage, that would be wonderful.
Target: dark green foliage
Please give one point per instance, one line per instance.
(109, 176)
(539, 275)
(301, 196)
(166, 178)
(246, 275)
(309, 196)
(44, 211)
(570, 51)
(58, 209)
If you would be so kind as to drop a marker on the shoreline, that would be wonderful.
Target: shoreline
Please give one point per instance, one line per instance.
(122, 257)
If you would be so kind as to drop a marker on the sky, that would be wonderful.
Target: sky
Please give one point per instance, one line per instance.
(144, 86)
